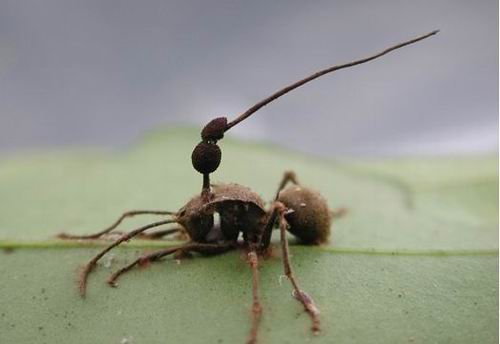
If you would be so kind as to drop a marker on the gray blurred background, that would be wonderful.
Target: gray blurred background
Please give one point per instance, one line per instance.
(104, 72)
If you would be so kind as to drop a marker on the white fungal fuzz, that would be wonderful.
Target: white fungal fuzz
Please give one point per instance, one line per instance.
(109, 261)
(216, 220)
(126, 340)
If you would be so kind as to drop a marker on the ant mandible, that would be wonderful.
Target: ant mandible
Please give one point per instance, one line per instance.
(297, 209)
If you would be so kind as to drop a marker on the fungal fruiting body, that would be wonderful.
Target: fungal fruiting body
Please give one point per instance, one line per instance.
(214, 219)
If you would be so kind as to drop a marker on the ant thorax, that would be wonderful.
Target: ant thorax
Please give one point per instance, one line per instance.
(231, 209)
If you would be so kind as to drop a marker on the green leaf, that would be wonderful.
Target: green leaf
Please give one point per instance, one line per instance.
(414, 260)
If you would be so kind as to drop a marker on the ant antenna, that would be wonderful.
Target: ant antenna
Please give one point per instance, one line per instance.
(207, 155)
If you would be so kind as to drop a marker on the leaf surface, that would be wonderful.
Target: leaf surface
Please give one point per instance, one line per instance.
(414, 260)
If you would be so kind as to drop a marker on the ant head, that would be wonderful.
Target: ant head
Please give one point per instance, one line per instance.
(195, 220)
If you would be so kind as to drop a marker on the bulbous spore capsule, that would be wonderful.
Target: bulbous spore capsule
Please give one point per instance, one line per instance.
(206, 157)
(214, 130)
(310, 218)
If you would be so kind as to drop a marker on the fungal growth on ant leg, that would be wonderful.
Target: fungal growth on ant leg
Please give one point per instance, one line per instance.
(295, 208)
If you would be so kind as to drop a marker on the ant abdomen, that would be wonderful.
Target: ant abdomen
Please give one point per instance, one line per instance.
(309, 217)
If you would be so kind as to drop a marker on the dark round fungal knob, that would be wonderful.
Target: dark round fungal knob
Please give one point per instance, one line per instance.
(310, 217)
(214, 130)
(206, 157)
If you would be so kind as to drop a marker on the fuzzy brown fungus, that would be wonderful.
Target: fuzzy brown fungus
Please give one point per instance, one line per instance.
(310, 217)
(206, 157)
(236, 192)
(214, 130)
(241, 210)
(195, 221)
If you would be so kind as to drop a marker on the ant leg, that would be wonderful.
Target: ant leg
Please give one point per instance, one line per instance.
(152, 236)
(115, 224)
(90, 265)
(159, 234)
(288, 176)
(299, 294)
(140, 261)
(155, 256)
(256, 306)
(265, 241)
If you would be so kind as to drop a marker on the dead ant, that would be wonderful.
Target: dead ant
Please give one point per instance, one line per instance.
(214, 219)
